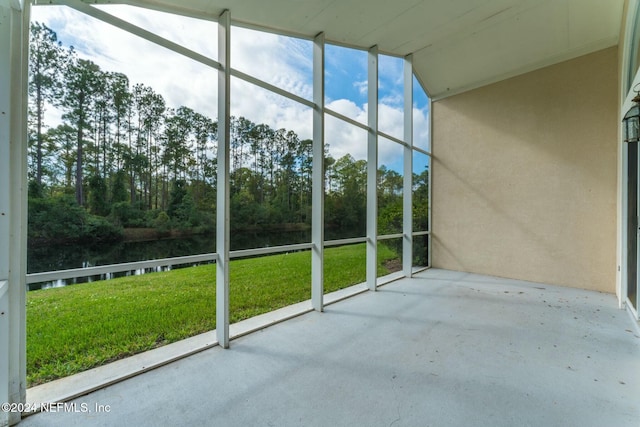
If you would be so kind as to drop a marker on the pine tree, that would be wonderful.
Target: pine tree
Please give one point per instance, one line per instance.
(46, 57)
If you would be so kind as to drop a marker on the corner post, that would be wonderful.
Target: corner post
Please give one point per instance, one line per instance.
(407, 194)
(14, 46)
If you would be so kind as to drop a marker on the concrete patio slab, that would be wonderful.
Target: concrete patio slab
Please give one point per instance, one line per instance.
(441, 349)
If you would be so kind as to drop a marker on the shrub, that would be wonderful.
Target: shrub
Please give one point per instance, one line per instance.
(125, 215)
(61, 219)
(162, 223)
(98, 196)
(99, 229)
(55, 218)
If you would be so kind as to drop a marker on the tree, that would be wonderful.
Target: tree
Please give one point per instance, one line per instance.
(348, 201)
(240, 134)
(64, 139)
(98, 204)
(305, 162)
(150, 108)
(329, 161)
(204, 130)
(135, 151)
(46, 57)
(180, 204)
(118, 190)
(421, 200)
(177, 144)
(389, 201)
(121, 103)
(83, 80)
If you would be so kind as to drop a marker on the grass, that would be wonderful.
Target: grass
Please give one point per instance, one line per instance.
(79, 327)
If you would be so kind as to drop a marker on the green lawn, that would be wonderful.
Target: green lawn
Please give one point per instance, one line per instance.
(78, 327)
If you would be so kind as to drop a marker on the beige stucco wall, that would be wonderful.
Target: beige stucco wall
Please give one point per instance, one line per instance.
(524, 176)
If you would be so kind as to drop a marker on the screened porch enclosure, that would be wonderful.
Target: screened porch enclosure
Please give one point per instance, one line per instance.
(381, 185)
(338, 124)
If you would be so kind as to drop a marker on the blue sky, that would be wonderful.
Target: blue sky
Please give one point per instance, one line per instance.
(345, 74)
(283, 61)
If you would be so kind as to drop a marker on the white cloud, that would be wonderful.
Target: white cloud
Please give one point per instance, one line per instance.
(262, 106)
(391, 120)
(421, 126)
(282, 61)
(390, 70)
(362, 86)
(348, 108)
(196, 34)
(344, 139)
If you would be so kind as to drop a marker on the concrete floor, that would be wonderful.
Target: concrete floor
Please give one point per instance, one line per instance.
(441, 349)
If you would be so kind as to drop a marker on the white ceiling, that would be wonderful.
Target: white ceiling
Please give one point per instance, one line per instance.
(457, 44)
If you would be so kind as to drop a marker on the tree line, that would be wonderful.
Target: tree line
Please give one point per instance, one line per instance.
(120, 157)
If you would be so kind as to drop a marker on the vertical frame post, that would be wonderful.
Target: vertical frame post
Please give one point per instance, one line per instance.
(635, 306)
(624, 282)
(317, 200)
(429, 216)
(5, 201)
(19, 207)
(222, 214)
(372, 170)
(14, 36)
(4, 348)
(407, 193)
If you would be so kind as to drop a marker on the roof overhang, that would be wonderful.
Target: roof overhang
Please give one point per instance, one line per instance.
(457, 45)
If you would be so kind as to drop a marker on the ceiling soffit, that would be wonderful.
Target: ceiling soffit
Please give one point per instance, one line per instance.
(457, 44)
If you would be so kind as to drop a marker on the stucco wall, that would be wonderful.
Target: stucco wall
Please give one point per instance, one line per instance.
(524, 176)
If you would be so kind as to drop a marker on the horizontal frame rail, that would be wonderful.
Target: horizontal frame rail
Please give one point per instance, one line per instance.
(175, 47)
(423, 151)
(393, 139)
(48, 276)
(346, 119)
(390, 236)
(140, 32)
(341, 242)
(421, 233)
(270, 250)
(268, 86)
(117, 268)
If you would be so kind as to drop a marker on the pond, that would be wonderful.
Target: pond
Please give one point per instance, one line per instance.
(90, 254)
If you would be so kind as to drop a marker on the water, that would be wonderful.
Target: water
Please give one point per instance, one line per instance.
(89, 254)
